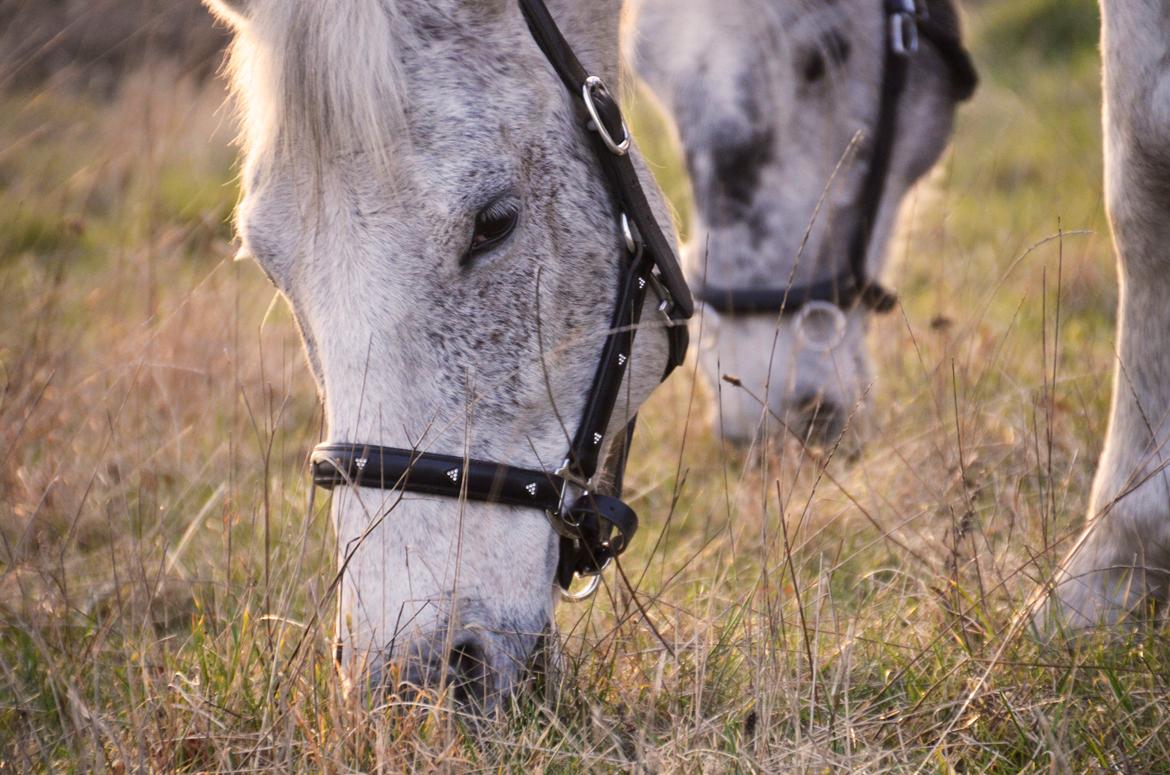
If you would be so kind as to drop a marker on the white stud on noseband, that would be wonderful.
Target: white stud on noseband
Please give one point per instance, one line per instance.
(453, 474)
(820, 326)
(361, 463)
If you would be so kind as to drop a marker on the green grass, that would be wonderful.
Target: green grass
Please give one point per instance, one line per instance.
(145, 623)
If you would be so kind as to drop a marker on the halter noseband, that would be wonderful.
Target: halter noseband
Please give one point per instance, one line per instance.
(907, 22)
(593, 528)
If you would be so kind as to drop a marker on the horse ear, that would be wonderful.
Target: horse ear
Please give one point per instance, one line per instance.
(234, 12)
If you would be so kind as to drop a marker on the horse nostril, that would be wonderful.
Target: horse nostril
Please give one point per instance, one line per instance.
(820, 420)
(738, 438)
(469, 673)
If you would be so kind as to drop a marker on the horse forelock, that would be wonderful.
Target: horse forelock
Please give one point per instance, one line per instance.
(321, 78)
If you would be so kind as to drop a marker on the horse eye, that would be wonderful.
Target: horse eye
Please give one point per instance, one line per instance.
(493, 225)
(814, 67)
(835, 47)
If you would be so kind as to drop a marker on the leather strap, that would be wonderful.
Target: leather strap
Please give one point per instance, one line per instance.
(841, 291)
(607, 380)
(949, 46)
(624, 184)
(885, 137)
(595, 528)
(387, 468)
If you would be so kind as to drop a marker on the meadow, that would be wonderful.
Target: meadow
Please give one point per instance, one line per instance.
(166, 579)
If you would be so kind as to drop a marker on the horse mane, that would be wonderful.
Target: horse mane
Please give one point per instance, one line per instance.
(321, 77)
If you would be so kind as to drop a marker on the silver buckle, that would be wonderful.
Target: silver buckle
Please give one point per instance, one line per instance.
(559, 520)
(562, 526)
(666, 300)
(904, 28)
(592, 85)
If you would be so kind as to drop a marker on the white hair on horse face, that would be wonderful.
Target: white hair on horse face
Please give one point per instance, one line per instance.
(322, 76)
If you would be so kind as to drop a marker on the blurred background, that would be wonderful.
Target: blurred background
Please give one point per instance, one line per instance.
(94, 43)
(164, 577)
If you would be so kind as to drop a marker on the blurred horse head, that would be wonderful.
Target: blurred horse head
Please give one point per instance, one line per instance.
(803, 123)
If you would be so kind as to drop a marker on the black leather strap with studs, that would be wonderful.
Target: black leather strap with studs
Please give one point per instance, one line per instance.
(624, 184)
(598, 527)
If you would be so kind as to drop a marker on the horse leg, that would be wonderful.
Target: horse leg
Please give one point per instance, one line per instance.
(1123, 556)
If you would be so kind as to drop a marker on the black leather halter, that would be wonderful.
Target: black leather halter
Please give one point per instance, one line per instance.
(594, 528)
(907, 21)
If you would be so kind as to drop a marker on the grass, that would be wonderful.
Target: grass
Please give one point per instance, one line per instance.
(155, 414)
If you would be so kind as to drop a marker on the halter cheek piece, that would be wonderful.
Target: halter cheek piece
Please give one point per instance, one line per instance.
(593, 528)
(907, 23)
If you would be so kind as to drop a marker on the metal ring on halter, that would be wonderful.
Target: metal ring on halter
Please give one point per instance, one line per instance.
(584, 594)
(904, 29)
(820, 344)
(592, 84)
(628, 234)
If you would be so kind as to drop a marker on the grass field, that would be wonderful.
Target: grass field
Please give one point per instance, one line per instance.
(164, 585)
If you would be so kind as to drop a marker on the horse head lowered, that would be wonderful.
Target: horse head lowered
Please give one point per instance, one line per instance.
(449, 201)
(803, 123)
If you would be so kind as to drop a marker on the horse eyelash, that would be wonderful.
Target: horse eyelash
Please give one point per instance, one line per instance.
(501, 208)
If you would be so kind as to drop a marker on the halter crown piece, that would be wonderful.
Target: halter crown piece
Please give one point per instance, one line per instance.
(594, 528)
(908, 22)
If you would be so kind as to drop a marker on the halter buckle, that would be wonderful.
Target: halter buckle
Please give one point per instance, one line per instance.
(569, 478)
(904, 17)
(594, 85)
(666, 299)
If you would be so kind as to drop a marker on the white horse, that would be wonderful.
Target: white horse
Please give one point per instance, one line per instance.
(767, 96)
(419, 187)
(779, 106)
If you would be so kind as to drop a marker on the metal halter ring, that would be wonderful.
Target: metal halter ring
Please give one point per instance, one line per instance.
(821, 344)
(628, 234)
(595, 84)
(584, 594)
(904, 28)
